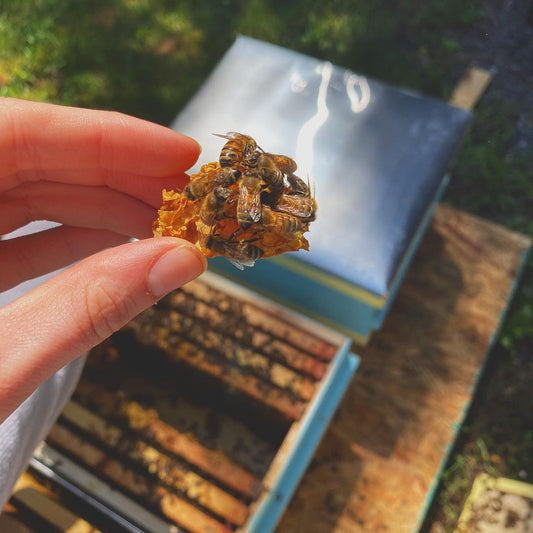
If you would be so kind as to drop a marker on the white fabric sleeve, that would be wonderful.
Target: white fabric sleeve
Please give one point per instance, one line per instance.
(29, 424)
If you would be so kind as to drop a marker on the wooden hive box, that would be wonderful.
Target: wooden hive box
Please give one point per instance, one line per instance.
(203, 412)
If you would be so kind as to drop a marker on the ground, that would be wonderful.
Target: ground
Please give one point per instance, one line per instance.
(498, 434)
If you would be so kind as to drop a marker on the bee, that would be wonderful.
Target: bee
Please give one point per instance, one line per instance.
(199, 187)
(285, 164)
(239, 149)
(249, 202)
(282, 222)
(213, 205)
(303, 207)
(271, 176)
(240, 253)
(297, 186)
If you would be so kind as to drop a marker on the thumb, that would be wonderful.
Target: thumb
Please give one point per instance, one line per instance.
(75, 310)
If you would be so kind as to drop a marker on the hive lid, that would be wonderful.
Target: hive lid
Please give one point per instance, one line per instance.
(378, 154)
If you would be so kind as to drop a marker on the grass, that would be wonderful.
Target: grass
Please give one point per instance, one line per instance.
(147, 57)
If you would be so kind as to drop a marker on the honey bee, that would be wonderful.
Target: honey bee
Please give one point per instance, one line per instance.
(297, 186)
(303, 207)
(239, 149)
(240, 253)
(249, 202)
(205, 183)
(272, 177)
(282, 222)
(213, 205)
(284, 163)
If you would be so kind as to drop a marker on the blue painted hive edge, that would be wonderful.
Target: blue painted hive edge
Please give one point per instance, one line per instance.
(312, 428)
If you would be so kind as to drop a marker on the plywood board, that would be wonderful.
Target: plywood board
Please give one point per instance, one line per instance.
(380, 460)
(31, 495)
(471, 88)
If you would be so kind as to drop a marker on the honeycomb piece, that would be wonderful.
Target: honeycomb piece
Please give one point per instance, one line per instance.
(251, 207)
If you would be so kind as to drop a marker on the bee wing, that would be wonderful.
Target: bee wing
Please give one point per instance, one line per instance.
(236, 264)
(229, 135)
(250, 200)
(255, 207)
(241, 264)
(289, 206)
(299, 206)
(288, 209)
(220, 135)
(311, 184)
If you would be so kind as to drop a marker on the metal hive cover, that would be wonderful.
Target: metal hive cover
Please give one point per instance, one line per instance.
(377, 153)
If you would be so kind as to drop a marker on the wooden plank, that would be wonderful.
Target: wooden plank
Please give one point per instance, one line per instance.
(10, 522)
(381, 456)
(470, 88)
(146, 423)
(276, 325)
(242, 329)
(167, 503)
(185, 351)
(166, 469)
(119, 507)
(40, 501)
(216, 341)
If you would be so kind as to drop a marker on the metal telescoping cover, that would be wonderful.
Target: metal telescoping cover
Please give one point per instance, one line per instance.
(377, 153)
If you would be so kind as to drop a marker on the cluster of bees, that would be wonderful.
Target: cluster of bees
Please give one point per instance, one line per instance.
(247, 205)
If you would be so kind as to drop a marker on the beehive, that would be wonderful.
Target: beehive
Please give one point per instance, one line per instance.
(200, 408)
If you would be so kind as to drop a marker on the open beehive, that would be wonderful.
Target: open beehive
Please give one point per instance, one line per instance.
(248, 204)
(202, 412)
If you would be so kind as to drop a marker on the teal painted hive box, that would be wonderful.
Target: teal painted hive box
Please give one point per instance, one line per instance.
(212, 402)
(378, 156)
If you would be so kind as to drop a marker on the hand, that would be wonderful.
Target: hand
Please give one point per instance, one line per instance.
(99, 174)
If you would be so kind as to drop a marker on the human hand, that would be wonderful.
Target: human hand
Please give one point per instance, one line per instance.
(100, 175)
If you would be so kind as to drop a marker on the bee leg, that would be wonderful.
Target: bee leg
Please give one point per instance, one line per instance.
(210, 240)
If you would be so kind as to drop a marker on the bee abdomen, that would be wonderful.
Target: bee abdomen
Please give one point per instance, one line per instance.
(227, 176)
(228, 157)
(282, 222)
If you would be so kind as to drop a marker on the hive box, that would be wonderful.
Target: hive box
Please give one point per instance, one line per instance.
(202, 414)
(378, 156)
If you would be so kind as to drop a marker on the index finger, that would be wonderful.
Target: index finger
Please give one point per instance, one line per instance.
(37, 136)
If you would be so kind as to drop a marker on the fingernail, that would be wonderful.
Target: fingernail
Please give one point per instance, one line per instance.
(195, 142)
(175, 268)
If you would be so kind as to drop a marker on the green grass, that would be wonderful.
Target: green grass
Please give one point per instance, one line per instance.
(147, 57)
(488, 179)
